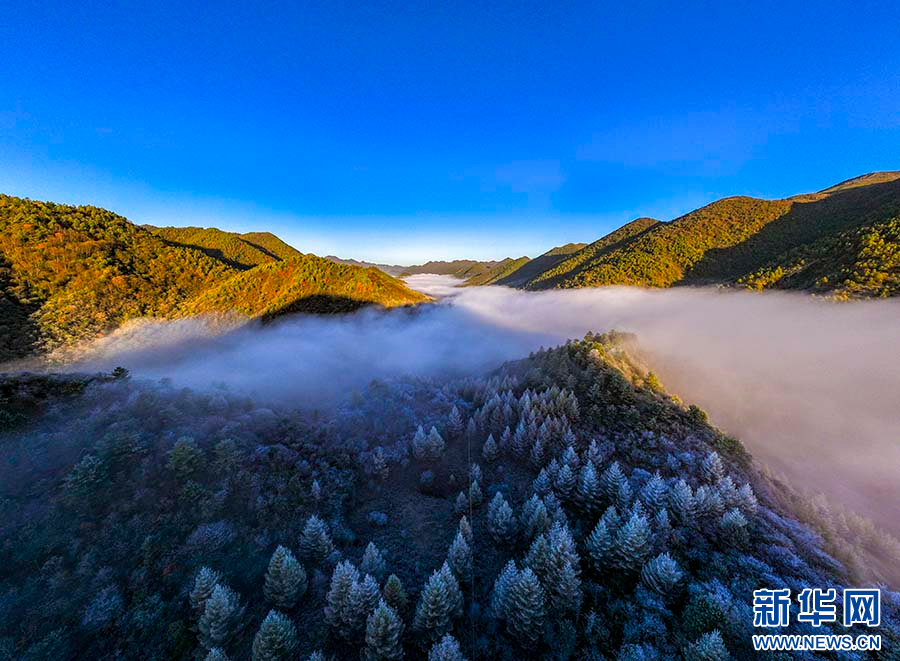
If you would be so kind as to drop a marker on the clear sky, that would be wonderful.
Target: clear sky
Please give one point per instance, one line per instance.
(400, 132)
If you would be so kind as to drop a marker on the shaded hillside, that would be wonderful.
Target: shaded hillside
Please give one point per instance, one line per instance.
(70, 273)
(530, 269)
(563, 507)
(584, 259)
(458, 268)
(242, 251)
(504, 269)
(302, 284)
(841, 240)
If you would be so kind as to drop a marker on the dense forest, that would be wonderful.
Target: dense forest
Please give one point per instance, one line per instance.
(69, 274)
(563, 506)
(840, 242)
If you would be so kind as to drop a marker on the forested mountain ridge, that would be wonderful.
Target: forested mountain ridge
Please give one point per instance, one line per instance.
(72, 273)
(242, 251)
(459, 268)
(563, 506)
(840, 241)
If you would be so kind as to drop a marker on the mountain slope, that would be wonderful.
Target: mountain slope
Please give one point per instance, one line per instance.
(458, 268)
(70, 273)
(302, 284)
(241, 251)
(531, 268)
(842, 239)
(504, 269)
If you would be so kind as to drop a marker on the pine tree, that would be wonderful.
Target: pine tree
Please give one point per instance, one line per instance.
(454, 594)
(712, 468)
(220, 617)
(373, 562)
(394, 594)
(662, 530)
(535, 518)
(490, 451)
(525, 610)
(681, 498)
(459, 557)
(420, 444)
(500, 593)
(708, 503)
(475, 496)
(565, 483)
(562, 580)
(466, 529)
(455, 422)
(542, 483)
(600, 544)
(447, 649)
(285, 579)
(462, 503)
(434, 612)
(501, 520)
(216, 654)
(471, 430)
(315, 543)
(633, 544)
(384, 631)
(435, 445)
(364, 597)
(276, 639)
(611, 481)
(734, 527)
(653, 494)
(709, 647)
(337, 601)
(661, 574)
(747, 500)
(588, 494)
(205, 582)
(506, 439)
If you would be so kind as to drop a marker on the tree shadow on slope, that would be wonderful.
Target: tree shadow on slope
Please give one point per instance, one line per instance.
(318, 304)
(811, 217)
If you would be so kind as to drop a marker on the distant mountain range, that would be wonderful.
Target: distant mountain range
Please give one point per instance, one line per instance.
(72, 273)
(843, 241)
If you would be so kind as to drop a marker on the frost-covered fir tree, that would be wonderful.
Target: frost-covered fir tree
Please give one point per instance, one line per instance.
(653, 494)
(525, 608)
(364, 597)
(384, 632)
(420, 444)
(285, 579)
(455, 423)
(490, 450)
(712, 469)
(633, 544)
(462, 503)
(501, 520)
(661, 574)
(373, 562)
(681, 500)
(220, 618)
(435, 445)
(500, 593)
(337, 601)
(466, 529)
(475, 495)
(565, 483)
(276, 639)
(535, 518)
(315, 543)
(542, 483)
(611, 481)
(709, 647)
(216, 654)
(394, 594)
(459, 557)
(453, 592)
(588, 495)
(434, 611)
(205, 582)
(446, 649)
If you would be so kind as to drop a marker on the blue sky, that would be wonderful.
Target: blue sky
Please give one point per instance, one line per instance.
(401, 132)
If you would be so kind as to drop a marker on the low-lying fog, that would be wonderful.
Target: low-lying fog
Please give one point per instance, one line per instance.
(811, 387)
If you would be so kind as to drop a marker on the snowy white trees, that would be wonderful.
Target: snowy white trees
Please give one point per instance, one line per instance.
(285, 579)
(384, 631)
(315, 542)
(501, 520)
(439, 604)
(221, 614)
(276, 639)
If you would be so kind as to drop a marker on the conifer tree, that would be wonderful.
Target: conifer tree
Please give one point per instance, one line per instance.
(709, 647)
(500, 593)
(589, 494)
(490, 450)
(455, 422)
(535, 518)
(373, 562)
(447, 649)
(434, 611)
(681, 498)
(662, 530)
(384, 631)
(542, 483)
(712, 469)
(337, 601)
(611, 482)
(565, 483)
(459, 557)
(525, 608)
(506, 439)
(216, 654)
(364, 597)
(315, 542)
(454, 594)
(653, 495)
(285, 579)
(466, 529)
(475, 496)
(661, 574)
(570, 457)
(435, 445)
(462, 503)
(204, 583)
(734, 527)
(471, 430)
(633, 544)
(221, 614)
(420, 444)
(501, 520)
(394, 594)
(600, 544)
(276, 639)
